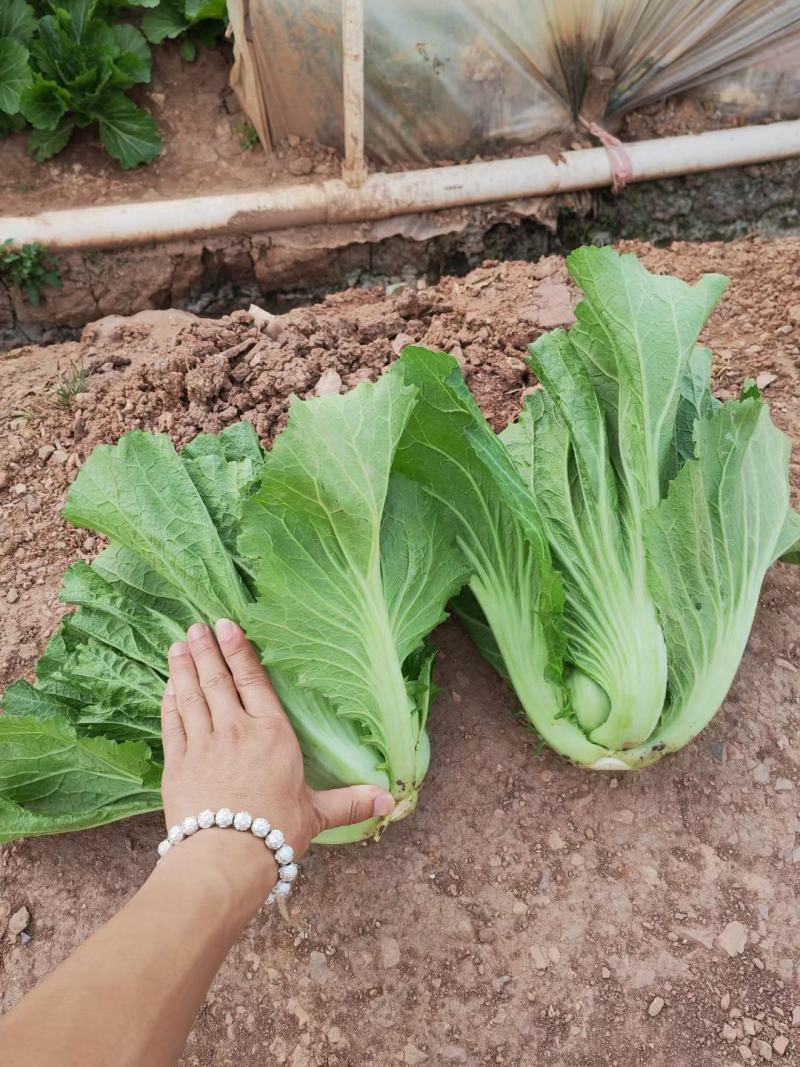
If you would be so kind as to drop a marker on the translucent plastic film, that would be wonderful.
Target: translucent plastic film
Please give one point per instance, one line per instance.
(449, 79)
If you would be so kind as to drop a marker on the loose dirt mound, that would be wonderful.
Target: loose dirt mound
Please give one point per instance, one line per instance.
(599, 897)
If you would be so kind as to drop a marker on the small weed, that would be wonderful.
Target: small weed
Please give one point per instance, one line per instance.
(29, 267)
(72, 381)
(248, 138)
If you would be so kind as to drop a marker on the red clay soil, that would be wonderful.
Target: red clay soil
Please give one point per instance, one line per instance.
(619, 920)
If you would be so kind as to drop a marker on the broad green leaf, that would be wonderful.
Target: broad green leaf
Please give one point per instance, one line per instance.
(139, 494)
(44, 104)
(44, 144)
(134, 58)
(52, 779)
(725, 520)
(167, 20)
(127, 133)
(449, 449)
(635, 334)
(197, 10)
(15, 74)
(17, 19)
(612, 631)
(336, 604)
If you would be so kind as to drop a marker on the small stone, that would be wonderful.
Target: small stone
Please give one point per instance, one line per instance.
(745, 1053)
(390, 952)
(300, 166)
(794, 312)
(761, 773)
(733, 938)
(796, 1015)
(85, 400)
(519, 907)
(334, 1035)
(553, 954)
(329, 384)
(783, 785)
(46, 451)
(18, 921)
(413, 1055)
(318, 966)
(12, 596)
(780, 1044)
(605, 973)
(625, 816)
(539, 958)
(400, 342)
(749, 1027)
(656, 1007)
(4, 480)
(396, 287)
(729, 1033)
(764, 1049)
(555, 841)
(765, 378)
(725, 1001)
(60, 456)
(454, 1054)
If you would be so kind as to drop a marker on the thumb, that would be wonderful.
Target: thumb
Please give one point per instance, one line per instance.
(353, 804)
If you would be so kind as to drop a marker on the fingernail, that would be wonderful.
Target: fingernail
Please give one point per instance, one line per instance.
(226, 630)
(196, 630)
(383, 805)
(170, 690)
(179, 649)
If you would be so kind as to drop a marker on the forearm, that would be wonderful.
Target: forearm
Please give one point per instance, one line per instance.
(129, 995)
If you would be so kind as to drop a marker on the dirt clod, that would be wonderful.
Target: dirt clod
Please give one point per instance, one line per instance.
(19, 921)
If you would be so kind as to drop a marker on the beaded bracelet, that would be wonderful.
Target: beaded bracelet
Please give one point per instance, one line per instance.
(243, 821)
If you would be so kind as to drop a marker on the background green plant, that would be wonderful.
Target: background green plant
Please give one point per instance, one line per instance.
(29, 267)
(67, 64)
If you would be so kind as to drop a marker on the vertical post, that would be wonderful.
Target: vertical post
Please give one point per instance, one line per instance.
(354, 169)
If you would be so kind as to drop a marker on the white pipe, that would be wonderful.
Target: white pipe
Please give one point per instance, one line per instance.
(354, 168)
(388, 195)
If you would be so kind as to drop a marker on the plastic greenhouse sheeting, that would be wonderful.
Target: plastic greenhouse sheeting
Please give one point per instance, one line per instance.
(449, 79)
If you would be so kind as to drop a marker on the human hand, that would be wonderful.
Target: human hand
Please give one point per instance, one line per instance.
(228, 743)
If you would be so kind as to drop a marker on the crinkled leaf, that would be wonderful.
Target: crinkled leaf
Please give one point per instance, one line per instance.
(51, 779)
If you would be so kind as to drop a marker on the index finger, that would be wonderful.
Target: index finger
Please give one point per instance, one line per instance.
(256, 692)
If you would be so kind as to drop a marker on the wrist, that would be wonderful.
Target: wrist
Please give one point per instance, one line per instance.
(236, 869)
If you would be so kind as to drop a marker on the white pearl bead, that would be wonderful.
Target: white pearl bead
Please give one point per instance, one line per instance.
(224, 818)
(164, 847)
(175, 835)
(190, 825)
(274, 839)
(242, 820)
(289, 872)
(282, 889)
(285, 854)
(205, 820)
(260, 827)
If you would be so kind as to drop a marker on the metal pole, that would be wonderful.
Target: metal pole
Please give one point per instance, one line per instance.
(354, 169)
(383, 196)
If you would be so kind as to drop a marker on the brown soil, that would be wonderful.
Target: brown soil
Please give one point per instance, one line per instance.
(597, 897)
